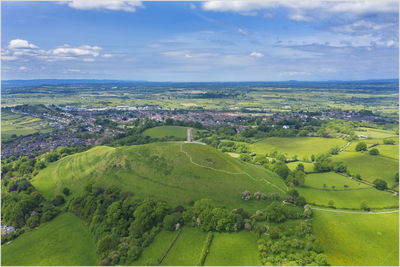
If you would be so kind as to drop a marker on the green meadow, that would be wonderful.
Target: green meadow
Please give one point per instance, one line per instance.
(332, 180)
(16, 124)
(233, 249)
(187, 249)
(167, 131)
(369, 167)
(161, 170)
(308, 166)
(351, 199)
(299, 146)
(375, 133)
(358, 239)
(63, 241)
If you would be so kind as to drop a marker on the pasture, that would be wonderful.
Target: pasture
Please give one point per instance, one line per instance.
(351, 199)
(63, 241)
(375, 133)
(302, 147)
(390, 151)
(168, 131)
(187, 249)
(369, 167)
(308, 166)
(329, 179)
(16, 125)
(233, 249)
(358, 239)
(162, 171)
(152, 254)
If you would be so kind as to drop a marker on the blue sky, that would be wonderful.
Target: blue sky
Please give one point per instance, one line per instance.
(200, 41)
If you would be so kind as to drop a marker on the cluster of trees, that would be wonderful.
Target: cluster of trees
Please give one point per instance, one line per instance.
(208, 217)
(24, 208)
(234, 147)
(323, 163)
(290, 246)
(246, 195)
(122, 225)
(295, 177)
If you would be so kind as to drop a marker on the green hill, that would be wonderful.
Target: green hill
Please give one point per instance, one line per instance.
(62, 241)
(174, 171)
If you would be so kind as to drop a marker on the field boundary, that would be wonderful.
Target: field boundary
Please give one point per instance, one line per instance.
(206, 248)
(170, 246)
(232, 173)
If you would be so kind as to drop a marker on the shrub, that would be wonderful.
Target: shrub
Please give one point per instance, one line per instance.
(58, 200)
(206, 248)
(364, 206)
(380, 184)
(374, 152)
(66, 191)
(361, 146)
(388, 141)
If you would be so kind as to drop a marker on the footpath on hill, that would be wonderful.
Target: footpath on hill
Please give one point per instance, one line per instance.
(232, 173)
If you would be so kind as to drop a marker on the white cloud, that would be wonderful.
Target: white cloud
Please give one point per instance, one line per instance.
(390, 43)
(88, 59)
(107, 55)
(115, 5)
(256, 54)
(22, 68)
(241, 31)
(294, 73)
(300, 10)
(19, 43)
(84, 50)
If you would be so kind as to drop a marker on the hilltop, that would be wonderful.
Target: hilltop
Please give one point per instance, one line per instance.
(176, 172)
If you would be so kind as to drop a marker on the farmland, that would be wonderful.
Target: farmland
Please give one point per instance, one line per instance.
(302, 147)
(167, 131)
(332, 180)
(13, 125)
(63, 241)
(364, 239)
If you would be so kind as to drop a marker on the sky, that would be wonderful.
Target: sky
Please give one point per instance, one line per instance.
(200, 41)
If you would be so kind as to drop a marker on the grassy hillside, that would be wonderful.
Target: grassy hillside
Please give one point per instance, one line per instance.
(165, 131)
(358, 239)
(369, 167)
(63, 241)
(375, 133)
(163, 171)
(300, 146)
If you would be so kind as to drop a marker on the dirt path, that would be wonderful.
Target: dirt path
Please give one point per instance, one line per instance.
(227, 172)
(344, 148)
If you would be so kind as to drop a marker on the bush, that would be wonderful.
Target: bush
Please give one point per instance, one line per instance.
(66, 191)
(361, 146)
(364, 206)
(388, 141)
(374, 152)
(380, 184)
(205, 249)
(58, 200)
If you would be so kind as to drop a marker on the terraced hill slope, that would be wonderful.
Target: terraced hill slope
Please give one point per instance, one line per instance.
(174, 171)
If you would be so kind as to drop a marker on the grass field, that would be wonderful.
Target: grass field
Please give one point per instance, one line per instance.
(63, 241)
(391, 151)
(187, 249)
(300, 146)
(375, 133)
(152, 254)
(233, 249)
(317, 180)
(20, 125)
(352, 239)
(308, 166)
(163, 171)
(351, 198)
(369, 167)
(166, 131)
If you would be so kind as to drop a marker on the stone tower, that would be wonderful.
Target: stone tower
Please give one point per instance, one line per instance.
(189, 137)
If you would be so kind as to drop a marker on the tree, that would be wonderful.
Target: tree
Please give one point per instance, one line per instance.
(281, 169)
(396, 177)
(58, 200)
(331, 204)
(300, 167)
(380, 184)
(66, 191)
(275, 212)
(364, 206)
(246, 195)
(361, 146)
(374, 152)
(299, 178)
(388, 141)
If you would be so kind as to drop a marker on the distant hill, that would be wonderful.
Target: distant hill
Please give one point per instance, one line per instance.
(163, 171)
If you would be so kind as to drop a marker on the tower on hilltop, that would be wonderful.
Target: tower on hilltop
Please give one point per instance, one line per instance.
(189, 137)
